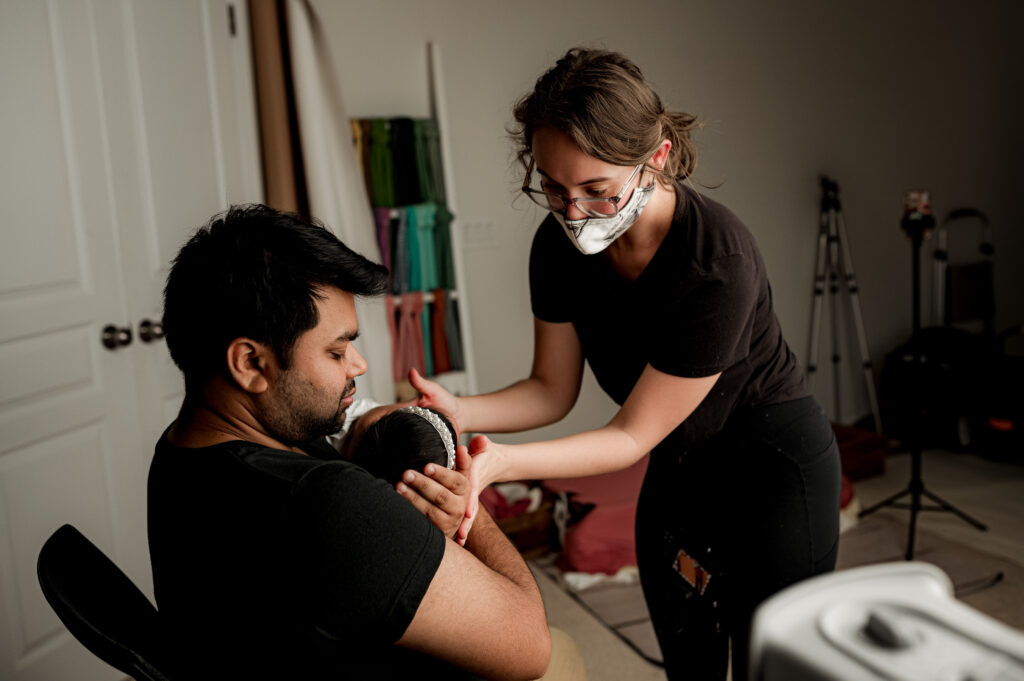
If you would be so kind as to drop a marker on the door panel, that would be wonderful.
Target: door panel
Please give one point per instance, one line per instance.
(68, 433)
(169, 45)
(121, 129)
(195, 137)
(44, 485)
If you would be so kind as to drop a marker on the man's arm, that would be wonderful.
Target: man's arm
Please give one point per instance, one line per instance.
(483, 611)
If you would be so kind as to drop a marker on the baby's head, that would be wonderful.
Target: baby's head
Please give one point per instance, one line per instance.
(406, 438)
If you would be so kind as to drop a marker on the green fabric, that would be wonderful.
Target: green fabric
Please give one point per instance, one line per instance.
(428, 160)
(443, 247)
(381, 170)
(422, 157)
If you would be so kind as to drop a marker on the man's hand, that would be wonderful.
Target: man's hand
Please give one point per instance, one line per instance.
(442, 495)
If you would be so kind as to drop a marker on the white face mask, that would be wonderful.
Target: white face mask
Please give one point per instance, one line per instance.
(593, 235)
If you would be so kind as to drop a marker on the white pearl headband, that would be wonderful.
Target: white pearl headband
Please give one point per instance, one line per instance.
(442, 430)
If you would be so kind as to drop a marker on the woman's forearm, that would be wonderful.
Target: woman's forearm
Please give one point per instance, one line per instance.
(526, 404)
(545, 397)
(589, 453)
(658, 404)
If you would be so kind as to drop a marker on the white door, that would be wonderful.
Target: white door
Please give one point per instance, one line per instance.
(122, 126)
(190, 150)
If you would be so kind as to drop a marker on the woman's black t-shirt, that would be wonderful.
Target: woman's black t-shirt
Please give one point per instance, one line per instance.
(702, 305)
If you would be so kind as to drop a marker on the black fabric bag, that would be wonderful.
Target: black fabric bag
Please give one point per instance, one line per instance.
(999, 429)
(930, 389)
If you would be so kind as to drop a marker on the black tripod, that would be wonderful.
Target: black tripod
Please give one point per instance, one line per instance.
(918, 221)
(834, 265)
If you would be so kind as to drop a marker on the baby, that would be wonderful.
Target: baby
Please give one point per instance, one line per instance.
(407, 438)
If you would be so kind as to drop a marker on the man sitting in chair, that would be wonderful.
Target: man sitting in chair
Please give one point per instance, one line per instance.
(273, 557)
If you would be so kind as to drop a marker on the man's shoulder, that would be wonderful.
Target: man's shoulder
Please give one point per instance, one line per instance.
(238, 460)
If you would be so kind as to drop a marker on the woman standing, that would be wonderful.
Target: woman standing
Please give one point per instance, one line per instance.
(664, 293)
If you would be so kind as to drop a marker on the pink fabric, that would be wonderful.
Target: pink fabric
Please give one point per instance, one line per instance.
(604, 540)
(405, 324)
(409, 348)
(845, 493)
(497, 505)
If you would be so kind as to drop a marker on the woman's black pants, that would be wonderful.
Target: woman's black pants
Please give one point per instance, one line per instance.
(726, 523)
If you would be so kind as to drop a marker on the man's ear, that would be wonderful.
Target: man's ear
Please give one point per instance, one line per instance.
(248, 361)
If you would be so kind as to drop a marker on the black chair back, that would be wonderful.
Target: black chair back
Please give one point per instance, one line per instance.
(101, 606)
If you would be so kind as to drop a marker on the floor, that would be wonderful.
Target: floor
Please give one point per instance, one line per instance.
(990, 491)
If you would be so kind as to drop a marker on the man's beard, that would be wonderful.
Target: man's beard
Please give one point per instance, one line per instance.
(300, 412)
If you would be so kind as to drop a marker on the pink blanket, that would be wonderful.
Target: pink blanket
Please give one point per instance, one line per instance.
(603, 540)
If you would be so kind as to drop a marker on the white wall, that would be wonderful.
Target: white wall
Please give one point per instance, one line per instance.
(883, 96)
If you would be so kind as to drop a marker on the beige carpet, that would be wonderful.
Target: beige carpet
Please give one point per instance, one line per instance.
(605, 656)
(989, 583)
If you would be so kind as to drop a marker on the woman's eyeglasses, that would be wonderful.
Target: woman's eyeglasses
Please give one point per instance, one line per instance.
(594, 207)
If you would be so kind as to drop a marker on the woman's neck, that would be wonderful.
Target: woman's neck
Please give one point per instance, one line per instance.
(630, 254)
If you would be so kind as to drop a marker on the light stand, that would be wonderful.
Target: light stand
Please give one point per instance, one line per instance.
(917, 222)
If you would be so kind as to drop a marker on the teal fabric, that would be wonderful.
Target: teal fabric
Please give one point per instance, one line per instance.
(425, 226)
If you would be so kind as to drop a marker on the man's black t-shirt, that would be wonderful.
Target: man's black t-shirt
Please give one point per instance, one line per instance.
(702, 305)
(271, 564)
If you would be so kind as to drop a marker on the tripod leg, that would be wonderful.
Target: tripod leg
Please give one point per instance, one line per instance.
(819, 292)
(846, 264)
(946, 506)
(914, 508)
(833, 293)
(915, 487)
(888, 501)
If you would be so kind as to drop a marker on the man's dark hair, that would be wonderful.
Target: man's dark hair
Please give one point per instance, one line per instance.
(400, 441)
(254, 272)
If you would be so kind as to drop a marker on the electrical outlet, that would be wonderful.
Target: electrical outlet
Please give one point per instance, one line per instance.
(477, 234)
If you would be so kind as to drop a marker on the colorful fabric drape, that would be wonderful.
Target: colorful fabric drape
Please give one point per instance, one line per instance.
(404, 177)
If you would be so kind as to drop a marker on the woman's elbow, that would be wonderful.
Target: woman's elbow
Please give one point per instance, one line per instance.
(556, 397)
(559, 405)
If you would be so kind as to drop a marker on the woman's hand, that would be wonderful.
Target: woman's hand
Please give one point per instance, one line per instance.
(434, 396)
(443, 495)
(486, 458)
